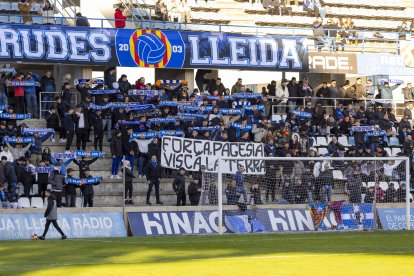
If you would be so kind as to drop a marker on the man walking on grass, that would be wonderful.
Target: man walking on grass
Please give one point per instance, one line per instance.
(51, 215)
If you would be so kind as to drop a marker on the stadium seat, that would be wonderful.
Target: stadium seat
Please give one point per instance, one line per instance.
(343, 140)
(364, 184)
(323, 151)
(19, 188)
(337, 174)
(37, 202)
(49, 186)
(15, 6)
(395, 151)
(388, 150)
(410, 197)
(370, 184)
(384, 185)
(5, 6)
(24, 202)
(15, 19)
(321, 142)
(277, 117)
(394, 141)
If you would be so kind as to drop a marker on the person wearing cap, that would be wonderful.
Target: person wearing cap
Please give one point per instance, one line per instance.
(30, 95)
(51, 215)
(179, 187)
(120, 18)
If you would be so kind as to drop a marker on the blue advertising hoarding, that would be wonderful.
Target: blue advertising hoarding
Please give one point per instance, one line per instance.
(354, 217)
(150, 48)
(395, 218)
(74, 225)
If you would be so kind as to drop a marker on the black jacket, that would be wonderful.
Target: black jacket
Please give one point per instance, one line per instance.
(52, 120)
(69, 123)
(116, 146)
(154, 149)
(61, 109)
(153, 173)
(97, 121)
(128, 175)
(193, 193)
(83, 165)
(70, 189)
(87, 189)
(179, 183)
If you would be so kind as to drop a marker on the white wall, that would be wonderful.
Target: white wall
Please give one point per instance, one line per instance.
(134, 73)
(98, 9)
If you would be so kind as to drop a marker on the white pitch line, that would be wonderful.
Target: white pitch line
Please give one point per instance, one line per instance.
(301, 256)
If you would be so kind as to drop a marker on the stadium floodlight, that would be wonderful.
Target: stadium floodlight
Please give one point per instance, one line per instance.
(351, 188)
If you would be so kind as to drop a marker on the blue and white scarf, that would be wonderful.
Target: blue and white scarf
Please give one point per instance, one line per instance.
(91, 154)
(3, 107)
(20, 83)
(247, 96)
(167, 103)
(7, 70)
(143, 135)
(39, 130)
(63, 155)
(208, 128)
(44, 169)
(232, 111)
(302, 114)
(166, 132)
(170, 81)
(362, 128)
(23, 140)
(254, 107)
(103, 92)
(161, 121)
(147, 93)
(84, 81)
(193, 115)
(89, 181)
(9, 116)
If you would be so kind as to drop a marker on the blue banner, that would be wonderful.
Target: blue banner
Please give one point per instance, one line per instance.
(150, 48)
(395, 218)
(353, 216)
(9, 116)
(74, 225)
(103, 92)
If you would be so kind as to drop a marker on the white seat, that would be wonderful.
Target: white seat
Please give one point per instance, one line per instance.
(4, 19)
(370, 184)
(321, 141)
(388, 150)
(394, 141)
(24, 202)
(15, 6)
(396, 151)
(5, 6)
(322, 151)
(337, 174)
(351, 141)
(343, 140)
(277, 117)
(15, 19)
(364, 184)
(19, 188)
(37, 202)
(49, 186)
(384, 185)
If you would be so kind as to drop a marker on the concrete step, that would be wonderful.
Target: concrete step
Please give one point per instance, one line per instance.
(34, 123)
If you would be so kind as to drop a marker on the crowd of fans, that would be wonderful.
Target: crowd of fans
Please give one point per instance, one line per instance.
(209, 112)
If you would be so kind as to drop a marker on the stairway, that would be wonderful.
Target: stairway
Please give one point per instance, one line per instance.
(235, 13)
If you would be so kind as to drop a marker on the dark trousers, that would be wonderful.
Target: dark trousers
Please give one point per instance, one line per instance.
(98, 135)
(69, 140)
(81, 137)
(181, 198)
(42, 189)
(156, 184)
(194, 203)
(19, 105)
(128, 190)
(55, 224)
(61, 132)
(270, 188)
(87, 200)
(58, 196)
(26, 188)
(70, 200)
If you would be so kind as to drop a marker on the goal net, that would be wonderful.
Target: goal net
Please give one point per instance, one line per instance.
(276, 194)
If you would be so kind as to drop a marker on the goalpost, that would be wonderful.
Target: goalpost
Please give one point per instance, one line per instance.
(339, 193)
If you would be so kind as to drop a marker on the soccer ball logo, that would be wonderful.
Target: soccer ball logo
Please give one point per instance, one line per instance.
(150, 48)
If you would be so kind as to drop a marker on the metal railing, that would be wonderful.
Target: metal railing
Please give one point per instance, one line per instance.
(138, 13)
(332, 103)
(46, 104)
(363, 35)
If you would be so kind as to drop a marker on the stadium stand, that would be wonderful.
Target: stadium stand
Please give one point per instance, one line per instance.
(381, 135)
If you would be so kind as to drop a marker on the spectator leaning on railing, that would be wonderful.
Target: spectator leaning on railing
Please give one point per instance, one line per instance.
(120, 18)
(48, 13)
(81, 21)
(24, 8)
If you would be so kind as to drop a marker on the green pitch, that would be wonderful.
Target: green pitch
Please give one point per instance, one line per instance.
(352, 253)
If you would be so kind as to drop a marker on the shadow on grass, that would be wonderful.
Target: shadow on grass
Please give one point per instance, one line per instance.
(31, 256)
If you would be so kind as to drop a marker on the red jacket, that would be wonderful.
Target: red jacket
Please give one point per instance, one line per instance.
(140, 86)
(119, 19)
(18, 90)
